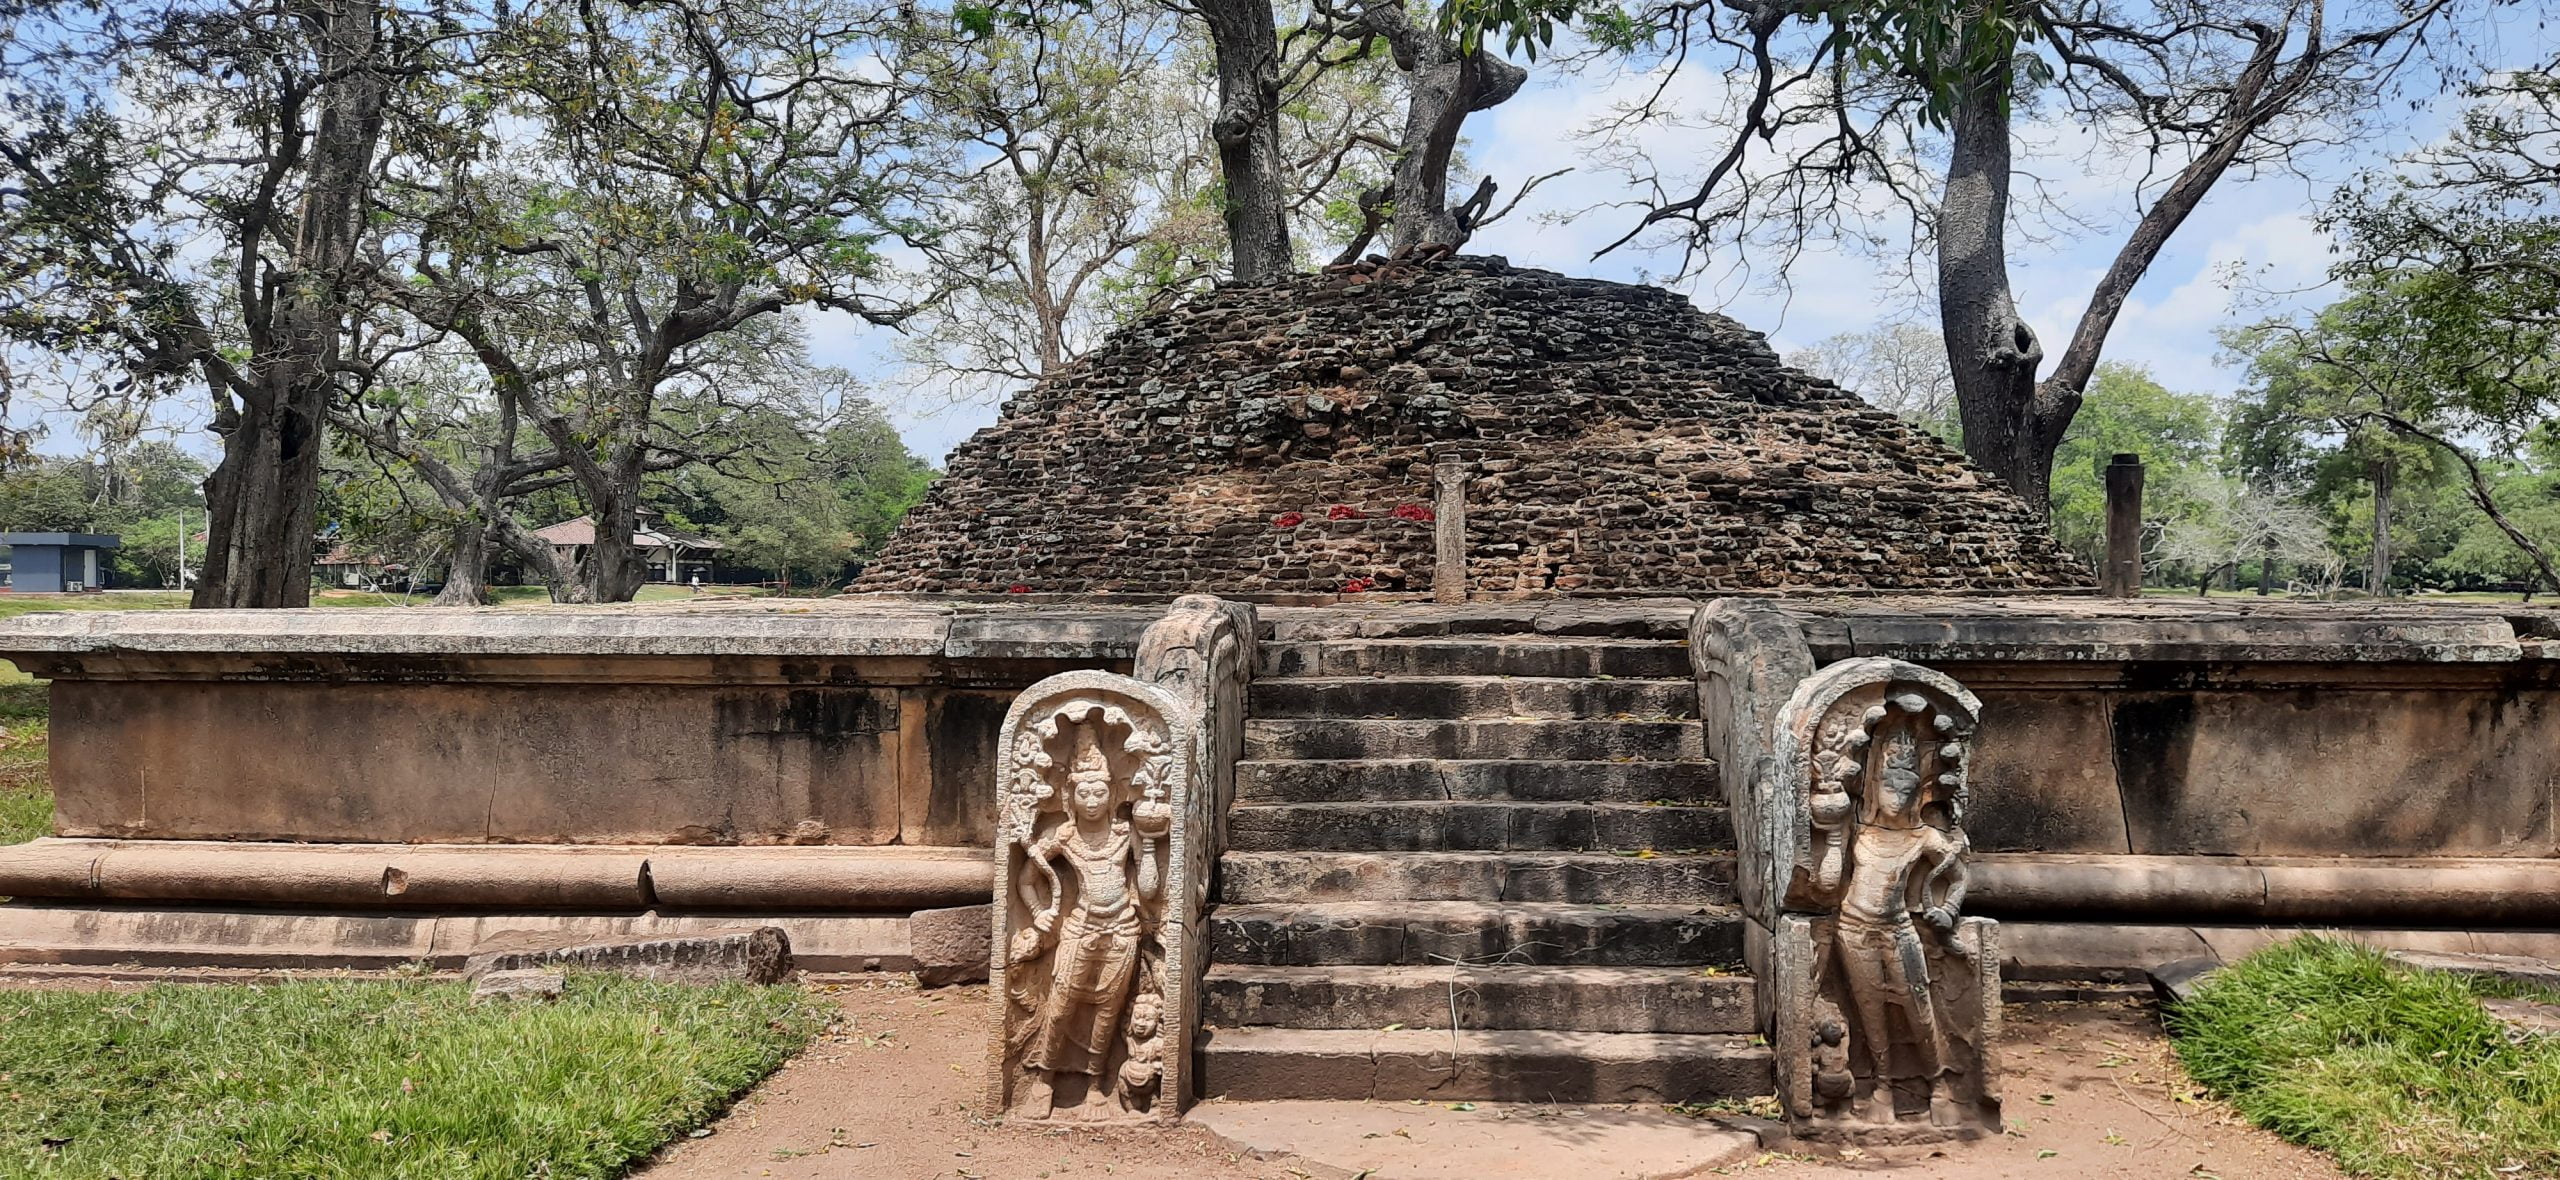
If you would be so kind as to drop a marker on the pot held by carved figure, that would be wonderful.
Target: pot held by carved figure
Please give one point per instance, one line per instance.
(1871, 948)
(1085, 822)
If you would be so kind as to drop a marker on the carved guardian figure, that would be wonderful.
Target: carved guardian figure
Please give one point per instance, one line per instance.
(1887, 997)
(1087, 805)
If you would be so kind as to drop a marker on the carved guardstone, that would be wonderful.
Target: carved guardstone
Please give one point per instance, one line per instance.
(1096, 770)
(1885, 998)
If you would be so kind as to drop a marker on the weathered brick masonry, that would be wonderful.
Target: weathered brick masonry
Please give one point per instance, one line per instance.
(1618, 439)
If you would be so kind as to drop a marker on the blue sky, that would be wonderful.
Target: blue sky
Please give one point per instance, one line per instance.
(2263, 227)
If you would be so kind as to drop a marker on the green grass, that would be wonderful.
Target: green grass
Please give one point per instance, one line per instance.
(357, 1079)
(519, 595)
(13, 605)
(2397, 1073)
(26, 795)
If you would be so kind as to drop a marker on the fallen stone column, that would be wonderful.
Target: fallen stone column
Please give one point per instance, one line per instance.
(820, 878)
(2489, 891)
(458, 876)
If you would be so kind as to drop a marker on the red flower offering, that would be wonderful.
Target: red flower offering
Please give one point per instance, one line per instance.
(1342, 512)
(1288, 520)
(1413, 512)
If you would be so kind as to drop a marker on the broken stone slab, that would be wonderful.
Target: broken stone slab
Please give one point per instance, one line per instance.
(2524, 1019)
(952, 945)
(1344, 1140)
(2513, 968)
(520, 985)
(2175, 982)
(760, 954)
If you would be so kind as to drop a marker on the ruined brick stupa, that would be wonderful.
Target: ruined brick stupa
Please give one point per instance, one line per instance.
(1278, 439)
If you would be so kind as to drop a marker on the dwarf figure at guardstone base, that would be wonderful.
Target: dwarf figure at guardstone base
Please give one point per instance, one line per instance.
(1898, 978)
(1083, 968)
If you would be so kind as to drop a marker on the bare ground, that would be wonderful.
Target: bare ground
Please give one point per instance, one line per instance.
(895, 1093)
(2091, 1091)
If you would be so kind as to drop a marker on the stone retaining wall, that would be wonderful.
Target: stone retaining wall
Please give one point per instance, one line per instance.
(2162, 774)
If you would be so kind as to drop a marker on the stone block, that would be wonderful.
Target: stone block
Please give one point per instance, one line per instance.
(2513, 968)
(2175, 982)
(529, 984)
(758, 955)
(951, 945)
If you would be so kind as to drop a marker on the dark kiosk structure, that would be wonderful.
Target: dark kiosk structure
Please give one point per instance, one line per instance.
(57, 563)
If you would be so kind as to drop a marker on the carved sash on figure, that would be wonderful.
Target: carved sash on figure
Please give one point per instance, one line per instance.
(1887, 998)
(1097, 768)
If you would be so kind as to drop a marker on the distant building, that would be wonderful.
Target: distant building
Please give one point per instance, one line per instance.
(672, 556)
(344, 567)
(59, 563)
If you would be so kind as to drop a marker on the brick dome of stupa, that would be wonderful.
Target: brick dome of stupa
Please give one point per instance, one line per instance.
(1278, 438)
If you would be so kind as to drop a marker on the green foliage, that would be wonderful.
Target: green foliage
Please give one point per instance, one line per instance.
(2398, 1073)
(798, 508)
(350, 1078)
(2126, 410)
(50, 495)
(135, 494)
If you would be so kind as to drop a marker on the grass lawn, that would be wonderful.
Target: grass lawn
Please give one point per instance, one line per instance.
(2398, 1073)
(26, 799)
(366, 1078)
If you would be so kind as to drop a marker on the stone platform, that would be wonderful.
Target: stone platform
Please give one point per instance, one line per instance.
(2153, 779)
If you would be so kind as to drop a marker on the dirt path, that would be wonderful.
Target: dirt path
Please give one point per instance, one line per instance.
(894, 1093)
(897, 1092)
(2091, 1092)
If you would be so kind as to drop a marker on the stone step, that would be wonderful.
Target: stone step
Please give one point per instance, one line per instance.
(1291, 877)
(1581, 999)
(1582, 741)
(1540, 781)
(1644, 659)
(1657, 619)
(1520, 933)
(1445, 826)
(1254, 1064)
(1480, 697)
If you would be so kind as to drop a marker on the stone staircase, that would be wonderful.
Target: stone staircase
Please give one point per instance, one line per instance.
(1485, 861)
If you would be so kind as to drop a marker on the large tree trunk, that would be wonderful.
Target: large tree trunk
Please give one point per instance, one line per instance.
(466, 571)
(615, 570)
(2011, 423)
(559, 577)
(1247, 131)
(260, 502)
(1447, 87)
(262, 495)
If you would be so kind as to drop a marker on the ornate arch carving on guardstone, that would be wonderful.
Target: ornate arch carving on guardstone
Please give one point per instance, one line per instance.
(1886, 998)
(1096, 779)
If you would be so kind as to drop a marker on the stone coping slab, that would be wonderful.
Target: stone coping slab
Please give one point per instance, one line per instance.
(837, 627)
(1922, 628)
(2099, 630)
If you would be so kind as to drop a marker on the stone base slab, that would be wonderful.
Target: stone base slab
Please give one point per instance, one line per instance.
(1431, 1141)
(163, 936)
(2089, 950)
